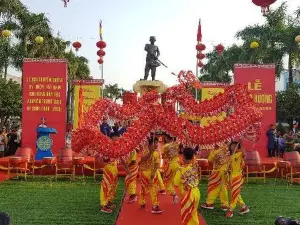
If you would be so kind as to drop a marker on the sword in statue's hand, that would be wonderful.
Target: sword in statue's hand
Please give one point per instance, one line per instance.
(156, 58)
(161, 63)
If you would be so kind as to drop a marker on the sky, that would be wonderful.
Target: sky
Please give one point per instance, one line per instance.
(128, 24)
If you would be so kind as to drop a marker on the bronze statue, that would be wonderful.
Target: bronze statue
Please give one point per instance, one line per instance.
(152, 58)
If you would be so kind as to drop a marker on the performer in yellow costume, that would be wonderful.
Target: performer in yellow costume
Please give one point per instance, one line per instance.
(109, 183)
(171, 164)
(236, 178)
(217, 184)
(132, 170)
(187, 180)
(150, 163)
(161, 185)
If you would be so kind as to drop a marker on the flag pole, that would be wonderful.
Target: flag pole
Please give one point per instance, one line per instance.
(199, 39)
(101, 65)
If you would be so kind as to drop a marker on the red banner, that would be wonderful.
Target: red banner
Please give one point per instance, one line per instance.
(44, 95)
(260, 80)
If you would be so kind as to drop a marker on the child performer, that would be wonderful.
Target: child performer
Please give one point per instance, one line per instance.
(132, 170)
(217, 184)
(171, 164)
(237, 163)
(150, 163)
(109, 183)
(187, 181)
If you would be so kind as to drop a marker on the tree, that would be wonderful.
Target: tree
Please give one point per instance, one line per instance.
(2, 54)
(10, 100)
(276, 38)
(288, 104)
(25, 29)
(298, 12)
(220, 67)
(113, 92)
(11, 9)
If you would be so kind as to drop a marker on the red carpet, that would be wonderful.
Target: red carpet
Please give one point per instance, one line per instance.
(131, 214)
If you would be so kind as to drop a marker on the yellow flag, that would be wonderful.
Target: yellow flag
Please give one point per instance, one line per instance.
(100, 29)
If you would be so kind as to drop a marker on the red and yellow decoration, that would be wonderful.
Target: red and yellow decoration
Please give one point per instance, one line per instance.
(86, 93)
(148, 114)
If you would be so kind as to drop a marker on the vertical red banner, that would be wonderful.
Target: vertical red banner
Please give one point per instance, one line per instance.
(44, 95)
(260, 80)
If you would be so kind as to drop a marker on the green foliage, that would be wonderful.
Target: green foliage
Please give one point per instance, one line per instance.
(276, 38)
(10, 99)
(41, 201)
(288, 104)
(3, 48)
(113, 92)
(283, 130)
(26, 26)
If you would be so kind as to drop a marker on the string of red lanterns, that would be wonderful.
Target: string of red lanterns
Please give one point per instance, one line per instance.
(200, 47)
(101, 53)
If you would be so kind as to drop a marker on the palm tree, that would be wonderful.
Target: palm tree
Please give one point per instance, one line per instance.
(298, 12)
(220, 67)
(276, 38)
(25, 29)
(11, 9)
(113, 91)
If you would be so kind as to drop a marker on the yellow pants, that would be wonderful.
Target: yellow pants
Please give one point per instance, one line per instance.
(217, 187)
(149, 186)
(236, 183)
(189, 207)
(169, 174)
(108, 184)
(130, 180)
(160, 181)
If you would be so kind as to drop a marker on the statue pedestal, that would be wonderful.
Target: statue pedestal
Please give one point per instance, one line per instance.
(144, 86)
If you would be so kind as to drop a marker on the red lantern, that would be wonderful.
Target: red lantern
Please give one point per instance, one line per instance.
(200, 47)
(220, 49)
(264, 4)
(101, 44)
(200, 56)
(76, 45)
(101, 53)
(100, 61)
(200, 64)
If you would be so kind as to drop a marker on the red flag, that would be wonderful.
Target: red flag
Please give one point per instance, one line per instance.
(199, 34)
(80, 107)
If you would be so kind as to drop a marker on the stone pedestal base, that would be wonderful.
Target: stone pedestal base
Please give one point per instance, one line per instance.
(144, 86)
